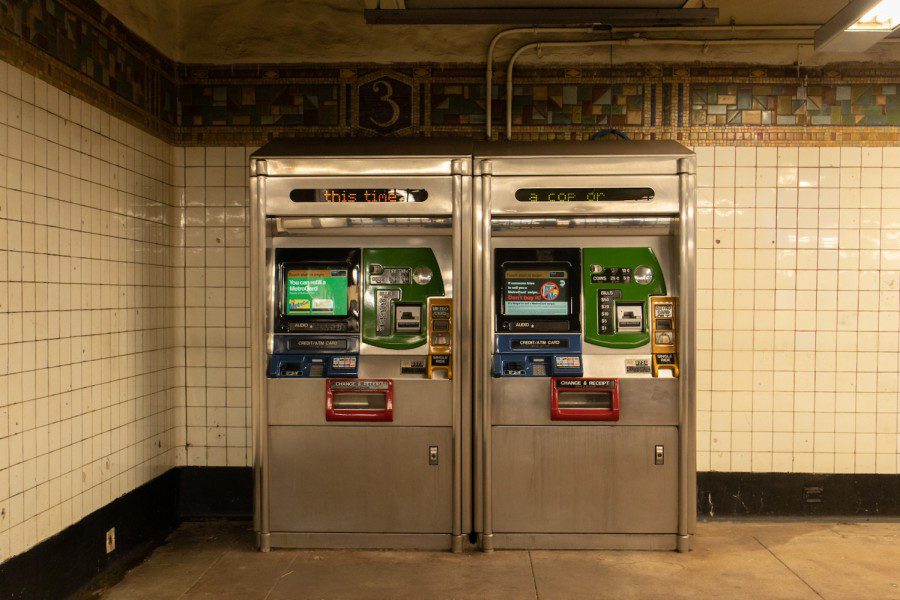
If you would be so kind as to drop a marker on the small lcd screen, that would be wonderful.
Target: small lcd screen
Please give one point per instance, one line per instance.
(529, 292)
(318, 291)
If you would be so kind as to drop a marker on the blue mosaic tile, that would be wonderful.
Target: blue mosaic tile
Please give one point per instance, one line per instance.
(307, 104)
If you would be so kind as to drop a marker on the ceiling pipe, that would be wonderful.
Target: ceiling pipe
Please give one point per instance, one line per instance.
(489, 71)
(627, 42)
(489, 62)
(722, 28)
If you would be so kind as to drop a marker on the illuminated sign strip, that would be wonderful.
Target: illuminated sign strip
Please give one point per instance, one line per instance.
(358, 195)
(584, 194)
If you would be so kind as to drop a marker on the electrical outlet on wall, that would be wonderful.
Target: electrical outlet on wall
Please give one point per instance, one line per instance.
(111, 540)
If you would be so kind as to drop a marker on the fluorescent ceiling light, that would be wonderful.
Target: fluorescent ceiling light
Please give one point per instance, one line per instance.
(884, 17)
(858, 26)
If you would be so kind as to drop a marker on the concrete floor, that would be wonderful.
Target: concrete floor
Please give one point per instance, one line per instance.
(743, 559)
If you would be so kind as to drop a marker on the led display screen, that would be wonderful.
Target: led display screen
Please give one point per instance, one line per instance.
(583, 194)
(358, 195)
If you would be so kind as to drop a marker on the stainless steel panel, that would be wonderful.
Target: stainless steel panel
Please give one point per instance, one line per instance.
(377, 156)
(584, 226)
(584, 479)
(341, 167)
(424, 402)
(665, 202)
(687, 312)
(583, 541)
(279, 203)
(362, 541)
(579, 157)
(258, 365)
(360, 226)
(359, 480)
(526, 401)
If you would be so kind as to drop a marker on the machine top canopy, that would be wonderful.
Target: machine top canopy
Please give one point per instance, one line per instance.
(364, 147)
(586, 148)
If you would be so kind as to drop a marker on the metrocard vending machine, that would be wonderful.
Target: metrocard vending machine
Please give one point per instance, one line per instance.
(584, 370)
(360, 317)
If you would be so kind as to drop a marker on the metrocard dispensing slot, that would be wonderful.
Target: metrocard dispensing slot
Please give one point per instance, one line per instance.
(584, 399)
(440, 337)
(359, 400)
(665, 355)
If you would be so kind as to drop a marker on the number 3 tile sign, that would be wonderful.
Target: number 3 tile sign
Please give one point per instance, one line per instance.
(385, 102)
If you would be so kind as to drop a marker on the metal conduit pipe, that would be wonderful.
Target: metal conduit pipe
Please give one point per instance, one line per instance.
(489, 73)
(626, 42)
(722, 28)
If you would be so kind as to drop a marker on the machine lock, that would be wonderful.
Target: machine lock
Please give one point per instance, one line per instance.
(659, 454)
(432, 456)
(359, 400)
(440, 337)
(663, 310)
(584, 399)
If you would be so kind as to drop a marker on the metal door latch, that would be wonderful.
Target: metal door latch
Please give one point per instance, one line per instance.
(659, 455)
(432, 455)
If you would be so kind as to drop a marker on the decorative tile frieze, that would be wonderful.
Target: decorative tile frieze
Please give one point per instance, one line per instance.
(78, 46)
(792, 104)
(86, 38)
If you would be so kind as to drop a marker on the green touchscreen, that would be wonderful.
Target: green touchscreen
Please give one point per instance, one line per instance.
(315, 292)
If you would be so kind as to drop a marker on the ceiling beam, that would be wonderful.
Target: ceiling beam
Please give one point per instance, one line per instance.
(834, 37)
(542, 16)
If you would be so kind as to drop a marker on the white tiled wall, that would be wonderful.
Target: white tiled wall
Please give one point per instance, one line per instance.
(91, 310)
(799, 309)
(217, 296)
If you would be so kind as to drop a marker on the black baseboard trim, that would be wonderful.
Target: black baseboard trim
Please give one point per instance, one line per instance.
(215, 493)
(64, 563)
(797, 495)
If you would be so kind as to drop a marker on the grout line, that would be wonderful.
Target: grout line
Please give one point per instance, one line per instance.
(203, 574)
(287, 570)
(537, 594)
(806, 583)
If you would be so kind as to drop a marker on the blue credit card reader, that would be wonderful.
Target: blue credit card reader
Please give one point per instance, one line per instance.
(314, 365)
(521, 355)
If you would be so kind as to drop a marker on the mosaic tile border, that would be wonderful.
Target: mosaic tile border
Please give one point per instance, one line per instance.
(78, 46)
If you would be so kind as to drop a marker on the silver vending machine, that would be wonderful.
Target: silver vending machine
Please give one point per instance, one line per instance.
(584, 360)
(360, 317)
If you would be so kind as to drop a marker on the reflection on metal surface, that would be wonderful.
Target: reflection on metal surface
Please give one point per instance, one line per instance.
(285, 225)
(581, 223)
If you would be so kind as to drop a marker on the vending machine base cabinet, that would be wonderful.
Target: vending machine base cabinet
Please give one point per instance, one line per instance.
(584, 541)
(364, 541)
(584, 479)
(368, 480)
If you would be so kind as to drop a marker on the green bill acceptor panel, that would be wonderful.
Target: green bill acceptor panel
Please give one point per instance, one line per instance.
(617, 284)
(397, 284)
